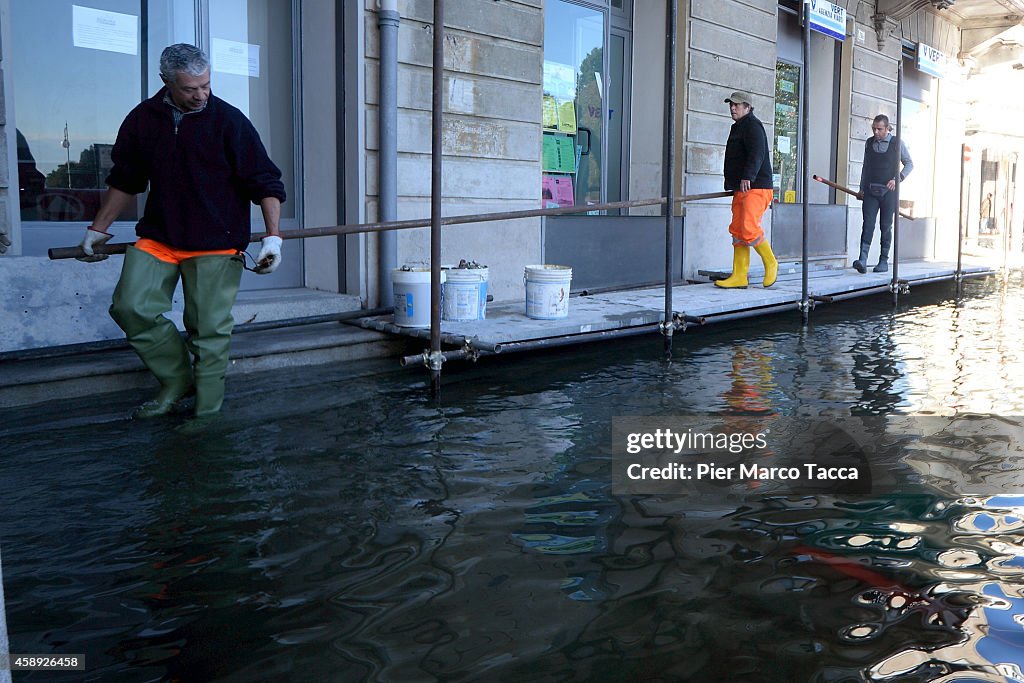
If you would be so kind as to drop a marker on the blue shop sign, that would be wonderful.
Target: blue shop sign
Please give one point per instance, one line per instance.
(931, 61)
(828, 18)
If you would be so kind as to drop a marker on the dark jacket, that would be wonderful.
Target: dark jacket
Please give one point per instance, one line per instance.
(880, 167)
(747, 156)
(201, 173)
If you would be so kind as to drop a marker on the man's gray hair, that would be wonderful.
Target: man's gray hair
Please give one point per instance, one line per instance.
(182, 57)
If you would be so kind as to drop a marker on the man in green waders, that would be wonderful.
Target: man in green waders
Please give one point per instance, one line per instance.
(204, 163)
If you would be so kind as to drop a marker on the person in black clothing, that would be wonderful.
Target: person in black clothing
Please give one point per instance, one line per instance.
(877, 190)
(748, 172)
(203, 162)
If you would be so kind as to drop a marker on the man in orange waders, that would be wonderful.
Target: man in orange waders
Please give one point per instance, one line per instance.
(748, 172)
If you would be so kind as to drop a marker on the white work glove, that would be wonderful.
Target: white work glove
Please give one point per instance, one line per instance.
(92, 239)
(270, 255)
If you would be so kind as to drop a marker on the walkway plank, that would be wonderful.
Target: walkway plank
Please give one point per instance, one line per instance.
(617, 310)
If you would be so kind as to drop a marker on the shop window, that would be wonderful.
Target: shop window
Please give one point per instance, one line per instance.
(918, 132)
(785, 151)
(77, 71)
(573, 104)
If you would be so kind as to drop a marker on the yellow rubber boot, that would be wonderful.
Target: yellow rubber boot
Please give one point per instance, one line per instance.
(771, 265)
(740, 266)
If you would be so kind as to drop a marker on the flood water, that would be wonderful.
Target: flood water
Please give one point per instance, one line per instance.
(334, 527)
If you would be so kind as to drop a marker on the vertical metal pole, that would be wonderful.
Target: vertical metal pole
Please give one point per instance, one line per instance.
(1004, 227)
(962, 227)
(805, 301)
(894, 283)
(436, 122)
(388, 23)
(669, 171)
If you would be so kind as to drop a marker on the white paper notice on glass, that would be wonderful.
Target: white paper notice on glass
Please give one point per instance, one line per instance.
(783, 144)
(232, 57)
(98, 29)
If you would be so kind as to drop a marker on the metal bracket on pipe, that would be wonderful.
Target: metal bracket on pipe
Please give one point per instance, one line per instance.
(681, 321)
(899, 287)
(423, 358)
(471, 352)
(434, 360)
(668, 328)
(805, 306)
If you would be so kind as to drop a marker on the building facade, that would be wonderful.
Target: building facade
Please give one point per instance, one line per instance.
(547, 103)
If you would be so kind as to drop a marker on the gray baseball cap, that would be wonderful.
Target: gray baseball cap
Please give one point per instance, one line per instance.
(739, 97)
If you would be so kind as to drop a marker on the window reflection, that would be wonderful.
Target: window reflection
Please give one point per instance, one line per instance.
(251, 52)
(69, 101)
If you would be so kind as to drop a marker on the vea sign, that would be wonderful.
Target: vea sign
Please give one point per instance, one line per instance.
(931, 61)
(828, 18)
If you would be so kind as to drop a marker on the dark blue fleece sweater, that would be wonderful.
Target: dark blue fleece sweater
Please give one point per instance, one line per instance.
(202, 173)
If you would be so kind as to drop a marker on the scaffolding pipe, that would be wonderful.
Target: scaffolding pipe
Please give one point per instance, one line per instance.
(944, 278)
(423, 333)
(593, 291)
(805, 302)
(867, 291)
(961, 227)
(436, 123)
(388, 21)
(534, 344)
(899, 172)
(668, 183)
(350, 229)
(749, 313)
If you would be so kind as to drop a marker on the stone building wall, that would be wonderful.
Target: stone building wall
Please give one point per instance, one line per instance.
(729, 45)
(491, 135)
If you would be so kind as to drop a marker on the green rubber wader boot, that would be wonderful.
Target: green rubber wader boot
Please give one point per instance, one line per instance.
(141, 298)
(210, 284)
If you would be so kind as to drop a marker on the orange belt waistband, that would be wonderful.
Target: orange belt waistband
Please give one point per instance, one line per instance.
(168, 254)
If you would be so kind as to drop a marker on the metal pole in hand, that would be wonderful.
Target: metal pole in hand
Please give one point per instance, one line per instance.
(435, 201)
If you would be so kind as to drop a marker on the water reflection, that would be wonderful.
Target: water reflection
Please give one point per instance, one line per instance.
(354, 530)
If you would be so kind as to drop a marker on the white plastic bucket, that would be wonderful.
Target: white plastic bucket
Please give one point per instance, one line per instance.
(547, 291)
(485, 275)
(462, 294)
(412, 296)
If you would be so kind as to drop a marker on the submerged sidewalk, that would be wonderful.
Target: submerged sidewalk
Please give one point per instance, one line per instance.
(507, 328)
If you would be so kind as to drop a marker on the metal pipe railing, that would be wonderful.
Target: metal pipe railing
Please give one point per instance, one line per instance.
(353, 228)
